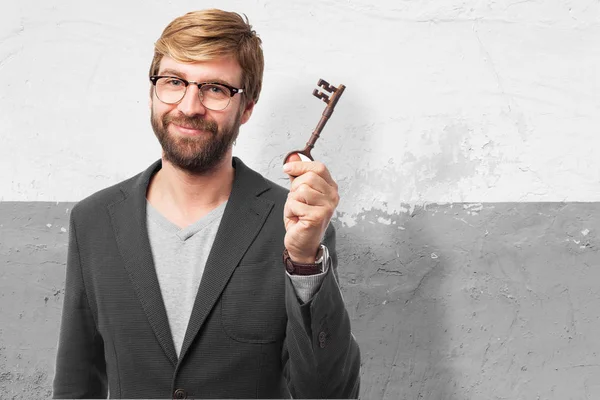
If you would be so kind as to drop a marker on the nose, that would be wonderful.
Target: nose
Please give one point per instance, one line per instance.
(191, 105)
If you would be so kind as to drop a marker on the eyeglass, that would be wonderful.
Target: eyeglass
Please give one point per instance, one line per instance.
(214, 96)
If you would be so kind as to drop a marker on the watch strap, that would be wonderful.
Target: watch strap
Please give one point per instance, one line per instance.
(296, 268)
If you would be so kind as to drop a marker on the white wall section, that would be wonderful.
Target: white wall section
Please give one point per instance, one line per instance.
(446, 101)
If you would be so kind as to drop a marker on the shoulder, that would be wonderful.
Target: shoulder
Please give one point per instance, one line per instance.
(255, 183)
(97, 203)
(276, 192)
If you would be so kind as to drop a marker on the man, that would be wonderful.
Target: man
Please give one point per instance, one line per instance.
(199, 277)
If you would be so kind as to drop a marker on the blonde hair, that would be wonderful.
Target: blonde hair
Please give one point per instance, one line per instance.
(209, 34)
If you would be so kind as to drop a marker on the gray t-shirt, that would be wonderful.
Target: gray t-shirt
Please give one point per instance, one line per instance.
(179, 258)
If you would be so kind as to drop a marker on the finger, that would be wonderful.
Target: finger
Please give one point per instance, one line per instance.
(307, 214)
(294, 157)
(296, 209)
(313, 181)
(307, 195)
(299, 168)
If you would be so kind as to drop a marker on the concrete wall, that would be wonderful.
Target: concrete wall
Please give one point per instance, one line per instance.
(464, 147)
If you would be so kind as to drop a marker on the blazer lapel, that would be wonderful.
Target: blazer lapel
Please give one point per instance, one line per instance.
(243, 218)
(129, 223)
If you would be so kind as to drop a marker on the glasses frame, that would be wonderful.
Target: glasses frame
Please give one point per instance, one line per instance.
(233, 90)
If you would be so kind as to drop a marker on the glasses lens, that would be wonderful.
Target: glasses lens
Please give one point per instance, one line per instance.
(170, 90)
(215, 97)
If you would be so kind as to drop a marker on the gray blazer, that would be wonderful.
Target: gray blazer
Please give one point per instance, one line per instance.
(248, 335)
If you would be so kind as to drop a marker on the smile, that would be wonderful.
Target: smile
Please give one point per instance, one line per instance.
(188, 131)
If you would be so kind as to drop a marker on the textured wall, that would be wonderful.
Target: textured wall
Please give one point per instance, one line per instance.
(462, 301)
(464, 147)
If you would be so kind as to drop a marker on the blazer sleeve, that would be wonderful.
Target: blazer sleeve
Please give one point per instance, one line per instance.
(80, 366)
(320, 356)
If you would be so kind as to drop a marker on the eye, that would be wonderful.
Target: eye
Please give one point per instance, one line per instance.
(173, 82)
(216, 89)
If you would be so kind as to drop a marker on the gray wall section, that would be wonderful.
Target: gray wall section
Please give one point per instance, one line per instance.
(456, 301)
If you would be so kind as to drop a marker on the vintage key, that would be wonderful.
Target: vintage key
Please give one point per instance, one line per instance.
(331, 101)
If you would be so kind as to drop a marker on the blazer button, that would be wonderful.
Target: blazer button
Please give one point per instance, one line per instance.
(180, 394)
(322, 339)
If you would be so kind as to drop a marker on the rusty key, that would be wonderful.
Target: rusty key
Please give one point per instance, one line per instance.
(331, 101)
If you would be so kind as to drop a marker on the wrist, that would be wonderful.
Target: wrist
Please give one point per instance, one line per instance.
(306, 258)
(315, 266)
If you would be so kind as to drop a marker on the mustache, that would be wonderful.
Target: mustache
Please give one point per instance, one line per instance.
(191, 122)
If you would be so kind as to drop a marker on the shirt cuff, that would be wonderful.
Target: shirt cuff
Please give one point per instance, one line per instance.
(306, 286)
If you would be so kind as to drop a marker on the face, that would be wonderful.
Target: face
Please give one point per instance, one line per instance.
(193, 137)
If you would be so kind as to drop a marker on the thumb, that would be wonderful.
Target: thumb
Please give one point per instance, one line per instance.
(291, 158)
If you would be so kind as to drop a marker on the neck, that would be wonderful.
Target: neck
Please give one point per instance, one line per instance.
(184, 197)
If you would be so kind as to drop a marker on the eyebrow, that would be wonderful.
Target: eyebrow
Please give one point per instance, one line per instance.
(179, 74)
(173, 72)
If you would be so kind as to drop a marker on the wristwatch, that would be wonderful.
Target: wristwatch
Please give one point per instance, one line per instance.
(296, 268)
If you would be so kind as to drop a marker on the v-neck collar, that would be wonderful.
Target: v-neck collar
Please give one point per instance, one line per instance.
(186, 232)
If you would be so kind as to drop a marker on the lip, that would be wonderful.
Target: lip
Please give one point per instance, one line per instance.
(188, 131)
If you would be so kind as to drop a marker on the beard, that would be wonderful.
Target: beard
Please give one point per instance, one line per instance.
(196, 154)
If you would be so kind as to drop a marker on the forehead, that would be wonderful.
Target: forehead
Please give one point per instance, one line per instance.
(223, 68)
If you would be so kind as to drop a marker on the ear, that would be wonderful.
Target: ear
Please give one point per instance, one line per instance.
(247, 112)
